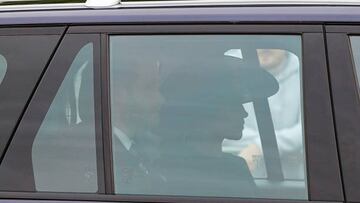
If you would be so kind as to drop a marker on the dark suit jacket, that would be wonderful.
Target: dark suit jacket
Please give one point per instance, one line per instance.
(133, 172)
(198, 175)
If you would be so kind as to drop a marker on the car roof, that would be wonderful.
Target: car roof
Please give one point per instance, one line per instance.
(199, 11)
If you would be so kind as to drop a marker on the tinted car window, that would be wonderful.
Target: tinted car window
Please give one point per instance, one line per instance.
(64, 149)
(207, 116)
(285, 108)
(20, 69)
(55, 148)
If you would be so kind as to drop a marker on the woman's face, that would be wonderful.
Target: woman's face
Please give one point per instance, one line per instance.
(229, 123)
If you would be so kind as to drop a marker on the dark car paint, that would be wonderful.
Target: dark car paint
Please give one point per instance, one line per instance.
(269, 14)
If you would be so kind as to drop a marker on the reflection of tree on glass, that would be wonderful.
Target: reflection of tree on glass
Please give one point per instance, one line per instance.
(203, 107)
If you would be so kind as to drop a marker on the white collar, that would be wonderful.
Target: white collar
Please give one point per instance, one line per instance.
(124, 139)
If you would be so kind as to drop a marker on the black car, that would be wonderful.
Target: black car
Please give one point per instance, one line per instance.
(180, 101)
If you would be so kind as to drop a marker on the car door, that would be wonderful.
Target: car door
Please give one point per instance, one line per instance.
(343, 64)
(179, 113)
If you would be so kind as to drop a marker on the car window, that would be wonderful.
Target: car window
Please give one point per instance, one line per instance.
(64, 149)
(20, 70)
(207, 115)
(56, 146)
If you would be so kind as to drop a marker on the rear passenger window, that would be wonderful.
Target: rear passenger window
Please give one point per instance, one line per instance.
(64, 149)
(207, 116)
(56, 146)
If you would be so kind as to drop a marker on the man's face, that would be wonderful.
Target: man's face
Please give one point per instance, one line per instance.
(139, 101)
(271, 58)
